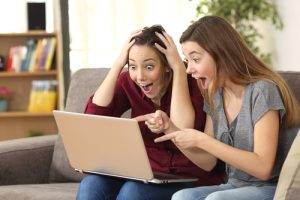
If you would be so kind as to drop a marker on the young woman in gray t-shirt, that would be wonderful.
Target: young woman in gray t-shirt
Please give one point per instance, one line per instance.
(249, 110)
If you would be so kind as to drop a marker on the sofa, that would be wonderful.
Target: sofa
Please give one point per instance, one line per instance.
(38, 168)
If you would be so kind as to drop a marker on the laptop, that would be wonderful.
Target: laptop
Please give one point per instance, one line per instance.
(108, 146)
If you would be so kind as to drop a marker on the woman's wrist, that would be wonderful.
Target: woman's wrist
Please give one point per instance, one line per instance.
(172, 128)
(118, 66)
(179, 69)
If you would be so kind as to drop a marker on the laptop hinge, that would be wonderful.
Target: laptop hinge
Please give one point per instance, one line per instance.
(79, 170)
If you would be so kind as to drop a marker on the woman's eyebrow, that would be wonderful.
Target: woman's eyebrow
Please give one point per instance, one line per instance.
(149, 59)
(194, 52)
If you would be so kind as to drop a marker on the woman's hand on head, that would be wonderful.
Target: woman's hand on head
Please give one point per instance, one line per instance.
(158, 122)
(122, 60)
(170, 51)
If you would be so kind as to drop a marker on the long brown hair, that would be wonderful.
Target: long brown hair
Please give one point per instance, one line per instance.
(232, 56)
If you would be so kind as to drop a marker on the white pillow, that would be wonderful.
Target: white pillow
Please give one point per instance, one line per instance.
(290, 173)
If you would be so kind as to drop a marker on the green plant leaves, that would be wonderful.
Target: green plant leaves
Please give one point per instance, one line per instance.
(242, 14)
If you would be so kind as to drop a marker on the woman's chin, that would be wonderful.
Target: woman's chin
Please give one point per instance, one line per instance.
(149, 95)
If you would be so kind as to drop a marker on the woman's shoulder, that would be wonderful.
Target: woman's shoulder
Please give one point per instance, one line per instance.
(124, 74)
(124, 77)
(264, 86)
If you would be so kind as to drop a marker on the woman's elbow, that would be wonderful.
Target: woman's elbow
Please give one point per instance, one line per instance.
(207, 169)
(264, 173)
(208, 166)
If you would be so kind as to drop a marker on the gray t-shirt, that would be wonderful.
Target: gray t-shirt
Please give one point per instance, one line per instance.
(259, 98)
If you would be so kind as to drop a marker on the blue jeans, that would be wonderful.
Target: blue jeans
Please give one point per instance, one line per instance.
(226, 192)
(96, 187)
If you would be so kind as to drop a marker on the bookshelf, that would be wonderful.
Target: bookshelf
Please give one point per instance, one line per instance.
(17, 122)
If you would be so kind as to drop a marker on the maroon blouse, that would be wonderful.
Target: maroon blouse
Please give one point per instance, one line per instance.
(164, 157)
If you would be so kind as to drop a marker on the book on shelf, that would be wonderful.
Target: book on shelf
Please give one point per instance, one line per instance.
(33, 66)
(42, 96)
(50, 53)
(37, 55)
(44, 54)
(30, 48)
(16, 57)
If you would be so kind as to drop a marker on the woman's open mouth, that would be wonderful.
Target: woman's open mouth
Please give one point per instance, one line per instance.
(203, 82)
(147, 88)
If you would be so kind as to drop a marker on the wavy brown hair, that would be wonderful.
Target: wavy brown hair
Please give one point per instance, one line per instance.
(233, 58)
(148, 38)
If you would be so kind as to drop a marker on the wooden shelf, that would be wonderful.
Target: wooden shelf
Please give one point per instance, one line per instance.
(28, 74)
(28, 34)
(25, 114)
(17, 122)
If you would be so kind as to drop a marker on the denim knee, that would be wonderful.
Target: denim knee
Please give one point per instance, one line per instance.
(218, 196)
(99, 187)
(90, 181)
(88, 187)
(183, 194)
(130, 191)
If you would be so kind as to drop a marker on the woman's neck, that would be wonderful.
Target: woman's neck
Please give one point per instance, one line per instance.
(157, 100)
(233, 89)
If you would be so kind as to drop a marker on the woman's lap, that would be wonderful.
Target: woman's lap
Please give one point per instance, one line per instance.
(226, 192)
(103, 187)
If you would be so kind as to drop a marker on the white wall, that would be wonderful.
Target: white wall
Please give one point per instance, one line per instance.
(13, 15)
(98, 29)
(287, 42)
(284, 45)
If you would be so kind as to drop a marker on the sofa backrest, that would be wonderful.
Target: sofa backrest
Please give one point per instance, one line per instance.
(293, 80)
(83, 84)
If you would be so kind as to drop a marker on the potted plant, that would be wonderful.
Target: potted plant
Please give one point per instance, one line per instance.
(243, 14)
(5, 95)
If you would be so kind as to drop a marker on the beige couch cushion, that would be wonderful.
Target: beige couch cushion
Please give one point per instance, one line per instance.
(289, 178)
(61, 191)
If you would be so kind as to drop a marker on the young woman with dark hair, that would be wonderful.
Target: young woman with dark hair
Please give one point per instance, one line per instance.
(155, 79)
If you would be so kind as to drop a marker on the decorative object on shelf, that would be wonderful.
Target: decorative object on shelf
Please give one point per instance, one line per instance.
(36, 15)
(34, 133)
(5, 95)
(2, 67)
(242, 14)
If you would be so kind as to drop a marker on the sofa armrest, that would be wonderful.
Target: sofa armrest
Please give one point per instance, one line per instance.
(26, 160)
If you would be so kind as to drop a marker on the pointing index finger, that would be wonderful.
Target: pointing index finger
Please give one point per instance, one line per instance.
(143, 117)
(166, 137)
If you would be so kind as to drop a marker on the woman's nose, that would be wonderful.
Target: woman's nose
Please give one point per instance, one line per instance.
(140, 75)
(189, 69)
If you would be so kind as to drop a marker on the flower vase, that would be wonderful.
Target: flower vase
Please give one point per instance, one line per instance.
(3, 105)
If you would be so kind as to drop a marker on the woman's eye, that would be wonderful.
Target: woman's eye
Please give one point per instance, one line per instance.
(149, 67)
(132, 67)
(196, 60)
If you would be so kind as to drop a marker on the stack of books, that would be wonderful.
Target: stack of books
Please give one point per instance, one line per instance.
(37, 55)
(42, 96)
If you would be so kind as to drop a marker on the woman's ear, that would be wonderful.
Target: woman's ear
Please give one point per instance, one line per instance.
(168, 69)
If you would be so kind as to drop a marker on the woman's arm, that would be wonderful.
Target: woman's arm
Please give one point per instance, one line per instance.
(258, 163)
(186, 140)
(181, 111)
(198, 156)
